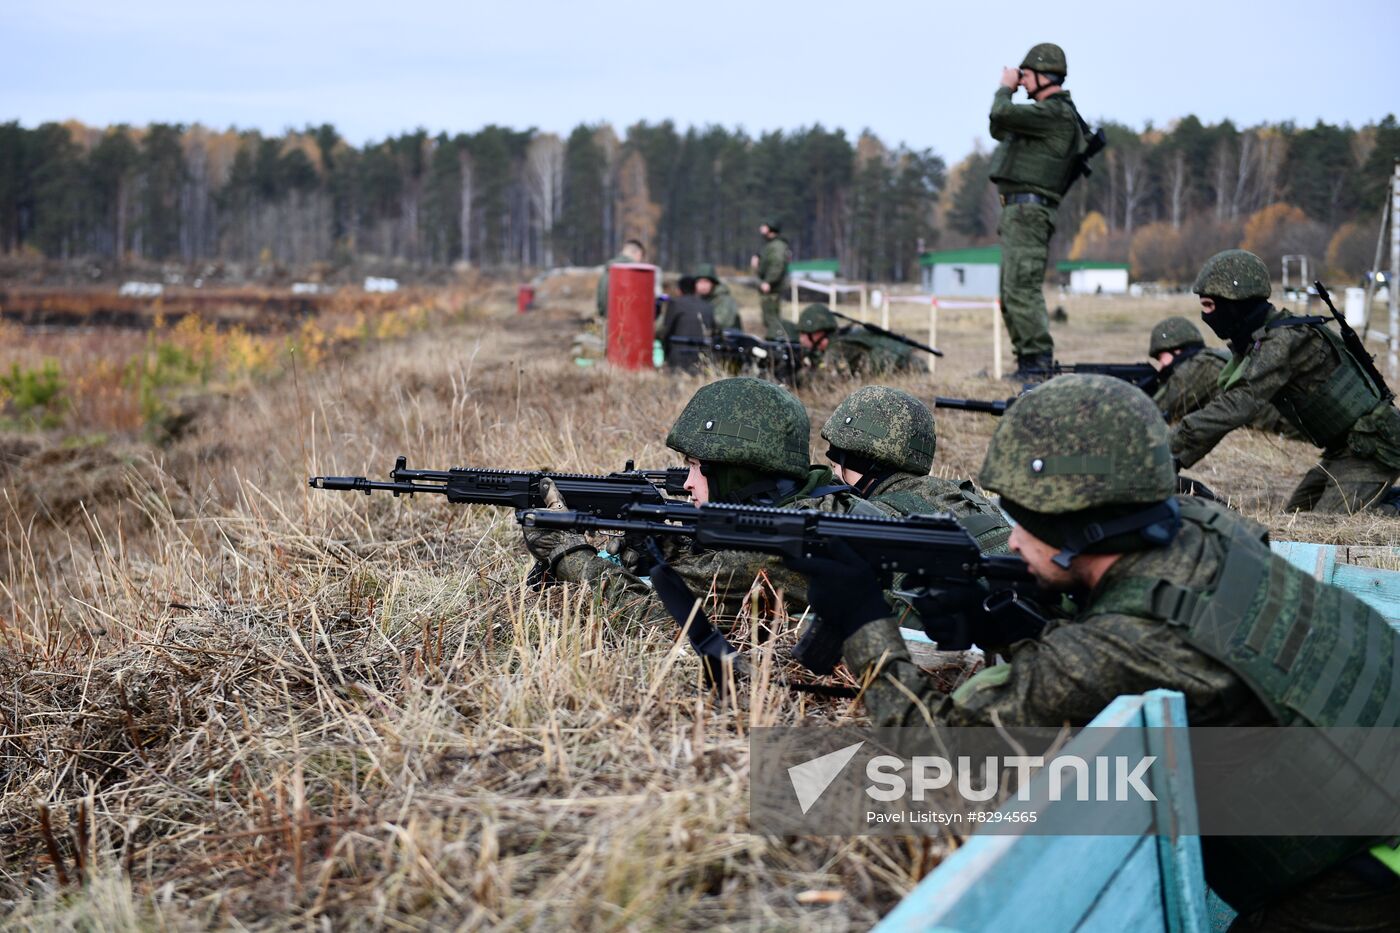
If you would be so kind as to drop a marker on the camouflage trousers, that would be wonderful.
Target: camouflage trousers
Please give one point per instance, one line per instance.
(772, 304)
(1341, 484)
(1025, 231)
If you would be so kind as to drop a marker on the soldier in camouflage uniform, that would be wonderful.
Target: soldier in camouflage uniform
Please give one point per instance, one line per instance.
(882, 442)
(1173, 592)
(1177, 348)
(1301, 366)
(717, 295)
(771, 266)
(849, 350)
(1032, 167)
(745, 441)
(632, 251)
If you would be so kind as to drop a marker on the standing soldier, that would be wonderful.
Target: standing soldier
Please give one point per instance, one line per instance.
(1174, 593)
(771, 265)
(717, 295)
(882, 442)
(1040, 145)
(632, 251)
(1307, 372)
(1191, 375)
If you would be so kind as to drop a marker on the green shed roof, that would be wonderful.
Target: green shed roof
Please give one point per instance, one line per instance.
(1066, 265)
(815, 265)
(972, 255)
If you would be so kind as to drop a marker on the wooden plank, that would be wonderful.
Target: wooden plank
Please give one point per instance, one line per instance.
(1178, 848)
(1319, 560)
(1380, 589)
(1221, 913)
(1023, 882)
(1132, 898)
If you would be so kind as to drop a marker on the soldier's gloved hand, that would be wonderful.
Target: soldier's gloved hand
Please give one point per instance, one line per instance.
(842, 588)
(547, 544)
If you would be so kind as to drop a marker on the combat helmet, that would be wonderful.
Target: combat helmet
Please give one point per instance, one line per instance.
(773, 224)
(705, 270)
(1235, 274)
(1078, 442)
(1046, 58)
(1175, 333)
(816, 318)
(888, 426)
(745, 422)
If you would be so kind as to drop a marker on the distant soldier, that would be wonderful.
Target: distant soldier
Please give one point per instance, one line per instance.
(771, 266)
(686, 315)
(1177, 348)
(632, 251)
(717, 295)
(882, 443)
(1040, 144)
(850, 350)
(1304, 368)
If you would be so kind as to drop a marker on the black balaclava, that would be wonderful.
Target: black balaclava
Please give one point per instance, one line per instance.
(1234, 320)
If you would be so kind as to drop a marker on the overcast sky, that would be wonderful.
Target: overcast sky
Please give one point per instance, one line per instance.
(918, 72)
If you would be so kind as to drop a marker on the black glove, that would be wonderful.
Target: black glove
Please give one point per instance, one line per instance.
(842, 588)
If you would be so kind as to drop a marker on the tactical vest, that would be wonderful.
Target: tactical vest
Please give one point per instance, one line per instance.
(989, 527)
(1312, 653)
(1038, 162)
(1325, 415)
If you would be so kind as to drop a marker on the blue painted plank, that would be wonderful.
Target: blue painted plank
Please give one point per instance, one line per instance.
(1380, 589)
(1221, 913)
(1178, 850)
(1132, 899)
(1317, 560)
(1023, 882)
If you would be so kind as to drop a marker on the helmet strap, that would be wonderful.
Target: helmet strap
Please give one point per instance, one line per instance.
(1156, 525)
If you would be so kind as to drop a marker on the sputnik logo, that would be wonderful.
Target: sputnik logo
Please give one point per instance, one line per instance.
(811, 778)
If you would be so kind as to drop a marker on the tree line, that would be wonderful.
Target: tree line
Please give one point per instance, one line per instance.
(502, 197)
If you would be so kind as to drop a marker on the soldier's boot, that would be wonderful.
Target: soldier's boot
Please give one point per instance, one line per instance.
(1032, 368)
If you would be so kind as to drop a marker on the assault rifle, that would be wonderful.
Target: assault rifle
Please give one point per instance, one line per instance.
(781, 358)
(608, 494)
(1354, 344)
(1143, 375)
(940, 562)
(880, 331)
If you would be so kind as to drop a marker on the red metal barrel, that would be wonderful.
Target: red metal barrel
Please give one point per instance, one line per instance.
(631, 315)
(524, 298)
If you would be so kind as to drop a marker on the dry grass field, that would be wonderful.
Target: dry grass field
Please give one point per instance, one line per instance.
(232, 701)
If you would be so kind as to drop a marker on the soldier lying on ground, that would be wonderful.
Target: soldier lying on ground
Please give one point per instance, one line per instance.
(848, 350)
(882, 443)
(745, 441)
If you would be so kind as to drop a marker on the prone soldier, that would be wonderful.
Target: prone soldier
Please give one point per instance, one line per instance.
(882, 442)
(852, 349)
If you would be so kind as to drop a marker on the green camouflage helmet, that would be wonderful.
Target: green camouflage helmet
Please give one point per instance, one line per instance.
(1047, 58)
(814, 318)
(705, 270)
(1235, 274)
(746, 422)
(1077, 442)
(887, 425)
(1173, 334)
(773, 224)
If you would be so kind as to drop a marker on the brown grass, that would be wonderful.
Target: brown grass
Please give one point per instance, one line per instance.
(234, 701)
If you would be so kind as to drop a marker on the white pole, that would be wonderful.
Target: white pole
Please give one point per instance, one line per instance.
(996, 339)
(1392, 285)
(1375, 266)
(885, 313)
(794, 301)
(932, 332)
(864, 306)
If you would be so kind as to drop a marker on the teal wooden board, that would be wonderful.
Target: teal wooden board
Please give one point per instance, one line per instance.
(1132, 898)
(1378, 588)
(1221, 913)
